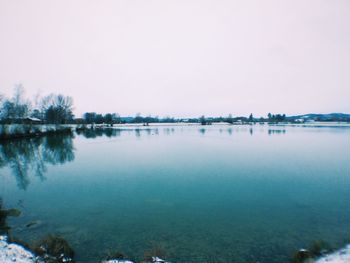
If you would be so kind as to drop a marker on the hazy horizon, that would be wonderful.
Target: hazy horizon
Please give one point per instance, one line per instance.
(180, 58)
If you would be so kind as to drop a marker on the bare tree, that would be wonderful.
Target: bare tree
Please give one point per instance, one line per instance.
(17, 106)
(57, 109)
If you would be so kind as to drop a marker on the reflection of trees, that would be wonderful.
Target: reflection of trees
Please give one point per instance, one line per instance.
(272, 132)
(202, 131)
(58, 149)
(93, 133)
(115, 132)
(31, 155)
(169, 131)
(137, 132)
(147, 131)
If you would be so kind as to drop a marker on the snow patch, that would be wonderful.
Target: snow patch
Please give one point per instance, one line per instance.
(14, 253)
(154, 260)
(118, 261)
(340, 256)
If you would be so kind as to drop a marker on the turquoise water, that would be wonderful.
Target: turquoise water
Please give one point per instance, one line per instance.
(191, 193)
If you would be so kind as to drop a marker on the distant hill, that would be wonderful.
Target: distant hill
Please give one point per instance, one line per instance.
(321, 117)
(336, 117)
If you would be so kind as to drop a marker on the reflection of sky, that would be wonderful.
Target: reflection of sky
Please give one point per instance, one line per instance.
(194, 192)
(24, 157)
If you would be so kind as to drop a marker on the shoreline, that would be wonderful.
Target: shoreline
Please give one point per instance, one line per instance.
(13, 252)
(21, 131)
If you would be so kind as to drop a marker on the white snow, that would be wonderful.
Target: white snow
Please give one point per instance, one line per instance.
(118, 261)
(154, 260)
(157, 259)
(340, 256)
(14, 253)
(10, 253)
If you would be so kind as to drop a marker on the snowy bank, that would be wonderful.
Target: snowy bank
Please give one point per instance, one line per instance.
(118, 261)
(153, 260)
(10, 131)
(14, 253)
(10, 252)
(340, 256)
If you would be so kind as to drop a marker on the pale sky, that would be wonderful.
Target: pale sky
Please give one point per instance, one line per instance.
(180, 58)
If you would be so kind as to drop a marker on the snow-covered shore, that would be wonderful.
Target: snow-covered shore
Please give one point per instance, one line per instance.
(10, 131)
(10, 252)
(340, 256)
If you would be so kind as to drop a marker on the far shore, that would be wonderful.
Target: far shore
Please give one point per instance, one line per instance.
(11, 252)
(17, 131)
(305, 124)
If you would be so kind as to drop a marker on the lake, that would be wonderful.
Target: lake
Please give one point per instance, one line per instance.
(214, 193)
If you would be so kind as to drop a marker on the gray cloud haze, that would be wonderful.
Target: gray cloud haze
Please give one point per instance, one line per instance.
(180, 58)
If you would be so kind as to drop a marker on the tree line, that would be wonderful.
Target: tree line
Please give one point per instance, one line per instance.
(52, 108)
(58, 109)
(114, 118)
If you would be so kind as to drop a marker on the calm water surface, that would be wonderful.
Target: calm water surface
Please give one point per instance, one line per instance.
(233, 193)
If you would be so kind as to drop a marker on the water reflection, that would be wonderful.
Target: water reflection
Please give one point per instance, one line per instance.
(273, 131)
(116, 132)
(138, 132)
(169, 131)
(93, 133)
(4, 214)
(31, 155)
(150, 131)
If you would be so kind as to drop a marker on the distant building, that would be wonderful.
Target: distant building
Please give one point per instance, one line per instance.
(25, 120)
(309, 120)
(31, 120)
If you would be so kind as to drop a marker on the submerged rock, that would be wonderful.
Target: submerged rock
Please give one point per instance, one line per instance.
(13, 212)
(4, 228)
(319, 248)
(302, 256)
(54, 249)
